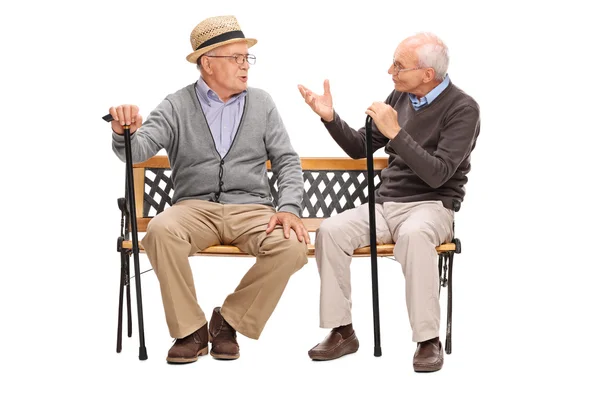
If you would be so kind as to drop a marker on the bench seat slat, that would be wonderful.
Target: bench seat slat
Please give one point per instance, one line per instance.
(382, 250)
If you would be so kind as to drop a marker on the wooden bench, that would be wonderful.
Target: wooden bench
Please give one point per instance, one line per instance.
(331, 186)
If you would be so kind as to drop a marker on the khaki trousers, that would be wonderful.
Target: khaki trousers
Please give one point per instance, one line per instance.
(416, 228)
(193, 225)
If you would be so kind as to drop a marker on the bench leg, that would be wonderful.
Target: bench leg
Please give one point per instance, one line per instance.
(449, 315)
(120, 313)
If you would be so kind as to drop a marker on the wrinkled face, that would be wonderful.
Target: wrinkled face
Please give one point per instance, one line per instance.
(226, 75)
(404, 69)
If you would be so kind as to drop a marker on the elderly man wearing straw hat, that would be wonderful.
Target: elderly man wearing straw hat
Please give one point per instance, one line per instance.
(428, 127)
(218, 134)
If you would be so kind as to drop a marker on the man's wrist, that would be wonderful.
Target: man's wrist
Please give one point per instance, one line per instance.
(329, 118)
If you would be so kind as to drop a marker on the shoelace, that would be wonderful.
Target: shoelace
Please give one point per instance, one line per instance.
(194, 336)
(226, 329)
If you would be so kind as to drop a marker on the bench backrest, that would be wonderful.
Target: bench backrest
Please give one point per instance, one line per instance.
(331, 185)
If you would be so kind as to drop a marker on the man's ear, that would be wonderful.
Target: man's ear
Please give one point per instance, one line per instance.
(429, 75)
(205, 63)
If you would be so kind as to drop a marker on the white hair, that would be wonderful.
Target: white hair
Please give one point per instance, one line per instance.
(432, 53)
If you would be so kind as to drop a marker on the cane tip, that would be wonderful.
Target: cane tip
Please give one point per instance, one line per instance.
(377, 352)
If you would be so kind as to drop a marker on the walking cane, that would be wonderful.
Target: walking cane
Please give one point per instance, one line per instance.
(134, 234)
(371, 182)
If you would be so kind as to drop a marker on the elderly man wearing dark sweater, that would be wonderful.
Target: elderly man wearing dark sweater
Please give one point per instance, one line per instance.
(428, 127)
(218, 134)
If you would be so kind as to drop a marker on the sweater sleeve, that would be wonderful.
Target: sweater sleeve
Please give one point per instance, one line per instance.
(154, 134)
(285, 164)
(455, 144)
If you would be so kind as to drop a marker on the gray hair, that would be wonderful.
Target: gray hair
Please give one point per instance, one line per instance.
(212, 52)
(432, 53)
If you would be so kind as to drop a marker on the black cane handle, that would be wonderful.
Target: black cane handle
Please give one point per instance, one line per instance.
(109, 118)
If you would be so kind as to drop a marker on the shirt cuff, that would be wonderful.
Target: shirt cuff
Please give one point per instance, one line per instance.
(335, 117)
(291, 209)
(120, 137)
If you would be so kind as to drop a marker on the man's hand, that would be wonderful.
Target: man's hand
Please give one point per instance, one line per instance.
(320, 104)
(289, 220)
(386, 119)
(126, 114)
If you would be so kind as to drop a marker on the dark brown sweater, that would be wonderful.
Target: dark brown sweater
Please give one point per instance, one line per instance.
(430, 157)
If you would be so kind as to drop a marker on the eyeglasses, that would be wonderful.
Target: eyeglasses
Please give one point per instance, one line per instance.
(397, 68)
(240, 58)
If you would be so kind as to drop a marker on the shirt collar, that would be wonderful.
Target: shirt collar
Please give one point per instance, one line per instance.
(429, 97)
(209, 96)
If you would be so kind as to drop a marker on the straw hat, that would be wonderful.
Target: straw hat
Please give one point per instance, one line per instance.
(214, 32)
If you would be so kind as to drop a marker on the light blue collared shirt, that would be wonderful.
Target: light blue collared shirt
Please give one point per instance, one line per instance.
(223, 118)
(429, 97)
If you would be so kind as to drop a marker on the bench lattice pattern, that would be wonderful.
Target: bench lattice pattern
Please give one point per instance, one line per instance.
(326, 193)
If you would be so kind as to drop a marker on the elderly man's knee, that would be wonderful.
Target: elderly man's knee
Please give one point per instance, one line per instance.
(415, 234)
(157, 227)
(412, 236)
(161, 228)
(292, 250)
(330, 229)
(294, 247)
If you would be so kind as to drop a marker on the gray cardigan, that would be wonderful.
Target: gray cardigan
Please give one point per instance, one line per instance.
(179, 126)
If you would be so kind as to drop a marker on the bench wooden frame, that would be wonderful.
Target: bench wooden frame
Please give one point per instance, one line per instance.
(332, 185)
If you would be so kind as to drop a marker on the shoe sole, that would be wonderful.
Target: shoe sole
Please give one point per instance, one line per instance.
(429, 368)
(353, 348)
(224, 356)
(181, 360)
(325, 358)
(218, 356)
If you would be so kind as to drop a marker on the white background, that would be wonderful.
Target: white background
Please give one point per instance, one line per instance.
(525, 303)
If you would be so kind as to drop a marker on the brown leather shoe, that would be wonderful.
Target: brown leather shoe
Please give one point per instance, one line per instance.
(429, 356)
(222, 336)
(334, 346)
(189, 348)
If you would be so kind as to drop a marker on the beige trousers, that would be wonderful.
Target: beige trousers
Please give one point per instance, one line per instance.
(416, 228)
(193, 225)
